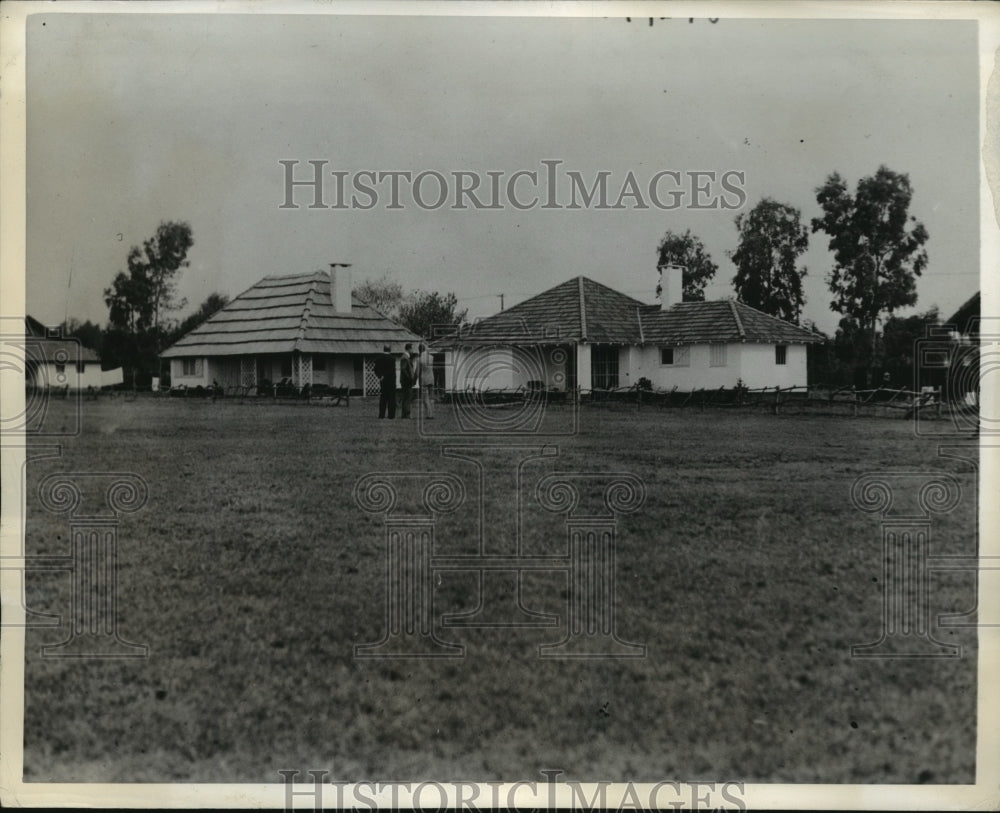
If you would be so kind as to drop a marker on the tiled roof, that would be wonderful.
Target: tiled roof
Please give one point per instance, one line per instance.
(720, 320)
(582, 309)
(282, 314)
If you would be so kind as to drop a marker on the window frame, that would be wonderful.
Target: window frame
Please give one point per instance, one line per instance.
(718, 354)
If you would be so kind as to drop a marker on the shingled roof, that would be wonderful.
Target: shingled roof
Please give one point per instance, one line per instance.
(291, 313)
(721, 320)
(581, 309)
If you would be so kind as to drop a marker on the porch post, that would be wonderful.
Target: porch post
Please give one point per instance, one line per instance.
(583, 367)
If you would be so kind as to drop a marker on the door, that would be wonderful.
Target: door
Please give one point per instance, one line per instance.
(604, 367)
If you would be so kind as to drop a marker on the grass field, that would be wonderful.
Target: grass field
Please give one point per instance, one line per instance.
(251, 574)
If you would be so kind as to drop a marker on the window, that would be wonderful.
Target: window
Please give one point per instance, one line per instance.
(286, 368)
(319, 362)
(60, 368)
(675, 356)
(717, 355)
(780, 353)
(81, 366)
(189, 366)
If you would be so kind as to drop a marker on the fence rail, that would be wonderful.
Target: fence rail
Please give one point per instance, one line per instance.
(775, 399)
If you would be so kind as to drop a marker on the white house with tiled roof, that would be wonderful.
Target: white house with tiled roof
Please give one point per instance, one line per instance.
(306, 328)
(583, 333)
(52, 360)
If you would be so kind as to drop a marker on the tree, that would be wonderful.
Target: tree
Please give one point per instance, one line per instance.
(89, 334)
(854, 353)
(877, 247)
(426, 313)
(688, 251)
(772, 238)
(899, 358)
(383, 294)
(137, 300)
(212, 304)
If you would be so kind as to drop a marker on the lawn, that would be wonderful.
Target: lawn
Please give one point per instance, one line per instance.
(251, 574)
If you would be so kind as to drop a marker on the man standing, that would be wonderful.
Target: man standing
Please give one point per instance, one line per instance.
(406, 381)
(385, 369)
(425, 375)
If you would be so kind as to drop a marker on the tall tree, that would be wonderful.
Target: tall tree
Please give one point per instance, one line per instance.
(139, 299)
(428, 313)
(900, 337)
(772, 238)
(688, 251)
(89, 333)
(877, 248)
(383, 294)
(212, 304)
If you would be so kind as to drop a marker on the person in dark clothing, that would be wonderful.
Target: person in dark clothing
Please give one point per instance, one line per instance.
(385, 369)
(406, 381)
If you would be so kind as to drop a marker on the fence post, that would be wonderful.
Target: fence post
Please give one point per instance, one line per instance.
(854, 403)
(777, 400)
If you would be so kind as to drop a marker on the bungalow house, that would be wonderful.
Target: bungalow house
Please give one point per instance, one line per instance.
(582, 333)
(306, 328)
(50, 360)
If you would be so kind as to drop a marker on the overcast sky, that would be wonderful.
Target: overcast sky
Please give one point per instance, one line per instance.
(136, 119)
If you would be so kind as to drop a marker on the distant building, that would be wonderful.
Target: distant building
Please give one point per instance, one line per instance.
(963, 358)
(966, 319)
(53, 361)
(303, 329)
(584, 334)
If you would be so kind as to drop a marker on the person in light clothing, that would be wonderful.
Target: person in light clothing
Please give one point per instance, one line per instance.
(425, 375)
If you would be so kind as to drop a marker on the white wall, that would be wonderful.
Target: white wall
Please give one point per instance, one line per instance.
(754, 364)
(760, 370)
(225, 370)
(481, 368)
(339, 371)
(68, 375)
(698, 373)
(200, 377)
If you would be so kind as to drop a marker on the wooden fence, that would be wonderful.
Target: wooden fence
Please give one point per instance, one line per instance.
(842, 400)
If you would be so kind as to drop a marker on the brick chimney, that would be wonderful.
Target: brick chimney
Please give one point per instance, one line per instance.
(340, 287)
(671, 285)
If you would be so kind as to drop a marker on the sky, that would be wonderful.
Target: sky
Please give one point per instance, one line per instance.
(135, 119)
